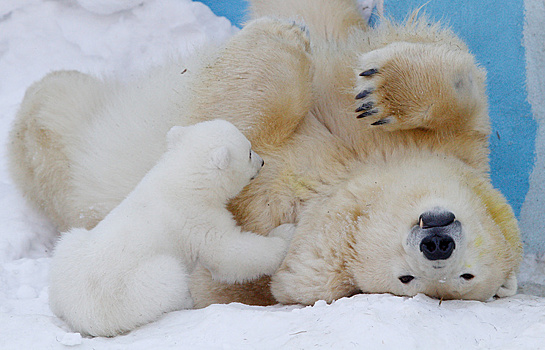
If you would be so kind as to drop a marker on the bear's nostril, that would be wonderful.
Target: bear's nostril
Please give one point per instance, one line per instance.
(436, 219)
(437, 247)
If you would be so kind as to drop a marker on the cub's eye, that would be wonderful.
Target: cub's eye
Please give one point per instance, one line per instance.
(406, 279)
(250, 154)
(467, 276)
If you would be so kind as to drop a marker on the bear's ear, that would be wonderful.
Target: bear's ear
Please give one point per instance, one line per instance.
(175, 134)
(220, 157)
(509, 288)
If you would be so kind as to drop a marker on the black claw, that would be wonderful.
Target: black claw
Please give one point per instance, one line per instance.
(381, 122)
(365, 106)
(363, 94)
(368, 113)
(369, 72)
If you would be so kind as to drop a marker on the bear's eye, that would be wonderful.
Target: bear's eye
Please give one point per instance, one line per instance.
(406, 279)
(467, 276)
(250, 154)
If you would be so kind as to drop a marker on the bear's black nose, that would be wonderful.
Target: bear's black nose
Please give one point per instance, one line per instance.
(436, 234)
(437, 246)
(436, 219)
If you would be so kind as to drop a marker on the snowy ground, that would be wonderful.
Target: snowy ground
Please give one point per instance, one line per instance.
(124, 37)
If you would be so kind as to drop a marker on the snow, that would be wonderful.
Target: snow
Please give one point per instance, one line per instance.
(123, 37)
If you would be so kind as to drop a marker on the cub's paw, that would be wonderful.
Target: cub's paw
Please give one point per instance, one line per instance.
(427, 86)
(290, 32)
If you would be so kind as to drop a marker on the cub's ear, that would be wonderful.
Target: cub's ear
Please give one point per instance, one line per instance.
(175, 134)
(220, 157)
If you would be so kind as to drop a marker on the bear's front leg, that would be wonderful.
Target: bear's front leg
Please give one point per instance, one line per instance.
(261, 82)
(315, 266)
(421, 86)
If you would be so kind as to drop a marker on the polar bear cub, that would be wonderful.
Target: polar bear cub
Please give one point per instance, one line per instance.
(134, 265)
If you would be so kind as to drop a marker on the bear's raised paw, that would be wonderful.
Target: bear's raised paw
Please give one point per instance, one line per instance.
(425, 86)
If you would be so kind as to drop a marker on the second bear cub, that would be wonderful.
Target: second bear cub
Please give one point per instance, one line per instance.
(134, 265)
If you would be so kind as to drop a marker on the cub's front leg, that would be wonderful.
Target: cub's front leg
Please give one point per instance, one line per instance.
(421, 86)
(243, 256)
(260, 82)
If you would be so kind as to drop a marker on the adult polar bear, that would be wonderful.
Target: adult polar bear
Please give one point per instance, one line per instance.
(394, 198)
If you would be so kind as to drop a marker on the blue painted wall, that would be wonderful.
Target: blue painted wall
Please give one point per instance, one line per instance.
(493, 31)
(234, 10)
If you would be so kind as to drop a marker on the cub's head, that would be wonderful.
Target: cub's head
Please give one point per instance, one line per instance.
(216, 156)
(421, 223)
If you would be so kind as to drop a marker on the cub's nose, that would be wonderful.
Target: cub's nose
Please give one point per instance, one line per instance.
(257, 158)
(437, 244)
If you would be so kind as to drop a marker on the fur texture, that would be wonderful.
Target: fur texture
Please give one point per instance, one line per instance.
(363, 131)
(134, 265)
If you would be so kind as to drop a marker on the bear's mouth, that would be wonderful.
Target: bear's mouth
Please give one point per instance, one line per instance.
(439, 265)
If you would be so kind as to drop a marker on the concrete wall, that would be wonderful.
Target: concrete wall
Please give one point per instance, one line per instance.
(532, 216)
(508, 39)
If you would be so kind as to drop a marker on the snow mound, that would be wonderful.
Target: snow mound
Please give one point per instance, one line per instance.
(108, 7)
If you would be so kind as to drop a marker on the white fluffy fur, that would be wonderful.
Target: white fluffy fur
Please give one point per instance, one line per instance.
(133, 266)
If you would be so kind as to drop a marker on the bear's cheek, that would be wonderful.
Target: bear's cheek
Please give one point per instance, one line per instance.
(375, 267)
